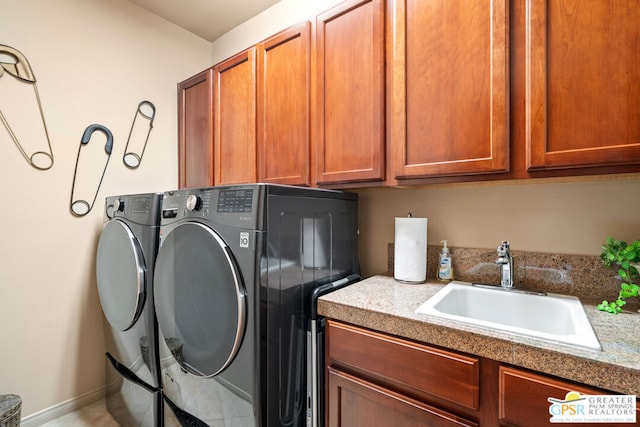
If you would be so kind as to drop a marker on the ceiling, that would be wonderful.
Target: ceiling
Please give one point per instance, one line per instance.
(208, 19)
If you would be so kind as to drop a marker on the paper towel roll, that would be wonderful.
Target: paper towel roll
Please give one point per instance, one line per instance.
(410, 250)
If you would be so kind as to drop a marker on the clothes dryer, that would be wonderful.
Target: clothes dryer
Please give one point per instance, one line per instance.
(234, 276)
(125, 261)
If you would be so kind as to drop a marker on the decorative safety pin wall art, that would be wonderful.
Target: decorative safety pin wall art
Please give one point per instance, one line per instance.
(85, 175)
(18, 114)
(139, 134)
(81, 207)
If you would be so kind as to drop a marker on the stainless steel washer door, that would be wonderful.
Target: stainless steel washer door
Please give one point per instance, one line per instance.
(121, 275)
(200, 298)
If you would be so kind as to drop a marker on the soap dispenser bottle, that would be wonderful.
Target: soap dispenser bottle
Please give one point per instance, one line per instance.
(445, 266)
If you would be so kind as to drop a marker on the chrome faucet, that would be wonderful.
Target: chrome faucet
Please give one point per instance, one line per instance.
(505, 260)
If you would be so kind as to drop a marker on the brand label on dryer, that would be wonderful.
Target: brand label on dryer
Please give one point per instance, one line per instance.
(244, 240)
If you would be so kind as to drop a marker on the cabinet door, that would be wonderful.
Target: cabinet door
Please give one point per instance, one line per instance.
(283, 117)
(385, 359)
(524, 398)
(450, 87)
(235, 119)
(349, 93)
(583, 96)
(355, 402)
(195, 131)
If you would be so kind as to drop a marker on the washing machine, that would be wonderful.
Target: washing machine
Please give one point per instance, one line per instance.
(125, 262)
(235, 271)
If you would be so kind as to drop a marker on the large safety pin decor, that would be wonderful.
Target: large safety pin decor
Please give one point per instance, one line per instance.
(17, 114)
(82, 207)
(139, 134)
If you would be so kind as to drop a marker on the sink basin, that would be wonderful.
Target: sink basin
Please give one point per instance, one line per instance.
(551, 317)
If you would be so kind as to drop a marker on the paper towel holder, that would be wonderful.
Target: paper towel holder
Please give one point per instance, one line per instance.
(410, 249)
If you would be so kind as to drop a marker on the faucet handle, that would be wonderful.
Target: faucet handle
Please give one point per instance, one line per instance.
(503, 253)
(506, 264)
(501, 250)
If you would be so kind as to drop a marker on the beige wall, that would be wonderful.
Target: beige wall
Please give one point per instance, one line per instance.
(567, 216)
(274, 19)
(94, 61)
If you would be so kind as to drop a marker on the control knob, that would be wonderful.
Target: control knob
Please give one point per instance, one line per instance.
(118, 205)
(194, 203)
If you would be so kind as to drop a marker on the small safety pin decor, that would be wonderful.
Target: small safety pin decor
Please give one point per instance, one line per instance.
(139, 134)
(17, 113)
(82, 207)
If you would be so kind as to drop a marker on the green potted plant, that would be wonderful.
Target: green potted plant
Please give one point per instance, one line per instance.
(626, 259)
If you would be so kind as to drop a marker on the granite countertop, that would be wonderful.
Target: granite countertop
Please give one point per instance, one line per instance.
(382, 304)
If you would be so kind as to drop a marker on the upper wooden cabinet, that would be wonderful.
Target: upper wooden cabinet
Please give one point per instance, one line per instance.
(235, 119)
(349, 103)
(449, 88)
(195, 131)
(582, 91)
(283, 106)
(400, 92)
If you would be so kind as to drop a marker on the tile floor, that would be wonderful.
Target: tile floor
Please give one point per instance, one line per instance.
(94, 414)
(213, 402)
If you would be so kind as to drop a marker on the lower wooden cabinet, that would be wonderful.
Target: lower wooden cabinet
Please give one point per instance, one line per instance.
(355, 402)
(374, 379)
(524, 398)
(410, 367)
(378, 380)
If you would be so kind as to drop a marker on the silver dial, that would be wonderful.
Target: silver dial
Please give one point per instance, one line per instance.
(194, 203)
(116, 206)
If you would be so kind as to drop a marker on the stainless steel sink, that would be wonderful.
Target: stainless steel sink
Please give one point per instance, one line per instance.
(551, 317)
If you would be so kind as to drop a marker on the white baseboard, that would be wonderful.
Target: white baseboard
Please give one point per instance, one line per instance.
(62, 408)
(72, 405)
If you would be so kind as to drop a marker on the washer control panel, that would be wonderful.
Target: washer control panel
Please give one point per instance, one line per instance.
(236, 206)
(235, 200)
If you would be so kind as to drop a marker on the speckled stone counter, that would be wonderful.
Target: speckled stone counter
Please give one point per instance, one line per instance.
(382, 304)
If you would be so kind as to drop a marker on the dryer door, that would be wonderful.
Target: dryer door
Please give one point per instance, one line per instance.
(200, 298)
(121, 275)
